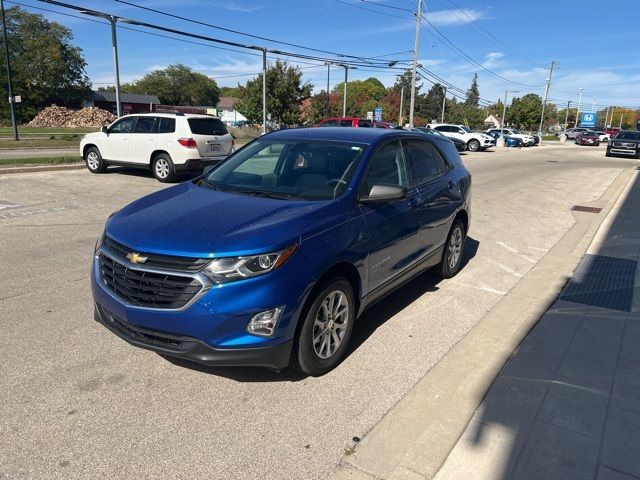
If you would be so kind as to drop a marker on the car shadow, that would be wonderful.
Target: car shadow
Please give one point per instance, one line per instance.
(365, 326)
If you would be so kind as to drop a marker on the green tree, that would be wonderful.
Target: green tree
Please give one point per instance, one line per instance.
(404, 80)
(285, 93)
(429, 106)
(235, 92)
(46, 67)
(473, 94)
(177, 85)
(362, 95)
(525, 112)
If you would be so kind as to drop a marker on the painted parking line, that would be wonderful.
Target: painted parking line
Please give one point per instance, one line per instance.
(33, 212)
(4, 204)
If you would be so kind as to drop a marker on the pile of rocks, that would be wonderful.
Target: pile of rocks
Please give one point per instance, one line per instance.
(55, 116)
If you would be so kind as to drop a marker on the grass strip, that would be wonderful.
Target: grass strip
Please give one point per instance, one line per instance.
(56, 160)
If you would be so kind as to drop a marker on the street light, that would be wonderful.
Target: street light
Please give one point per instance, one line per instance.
(344, 94)
(114, 44)
(12, 99)
(444, 100)
(264, 86)
(328, 64)
(504, 107)
(578, 110)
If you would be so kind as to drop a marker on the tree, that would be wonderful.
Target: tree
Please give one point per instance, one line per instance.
(46, 67)
(404, 80)
(177, 85)
(473, 94)
(362, 95)
(429, 106)
(235, 92)
(525, 112)
(285, 93)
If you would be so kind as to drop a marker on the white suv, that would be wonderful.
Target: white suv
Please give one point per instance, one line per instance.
(165, 142)
(475, 141)
(527, 140)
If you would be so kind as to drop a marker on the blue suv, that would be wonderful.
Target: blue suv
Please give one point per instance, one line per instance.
(269, 258)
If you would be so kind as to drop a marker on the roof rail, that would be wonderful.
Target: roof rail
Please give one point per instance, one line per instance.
(174, 112)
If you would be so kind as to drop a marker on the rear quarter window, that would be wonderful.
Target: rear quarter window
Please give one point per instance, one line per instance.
(207, 126)
(451, 155)
(166, 125)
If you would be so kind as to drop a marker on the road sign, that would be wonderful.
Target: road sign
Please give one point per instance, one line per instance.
(588, 119)
(369, 115)
(377, 114)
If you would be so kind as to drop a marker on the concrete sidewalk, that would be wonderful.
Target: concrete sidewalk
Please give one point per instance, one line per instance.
(567, 403)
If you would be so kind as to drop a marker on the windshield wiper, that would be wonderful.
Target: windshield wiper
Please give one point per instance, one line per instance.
(203, 182)
(267, 194)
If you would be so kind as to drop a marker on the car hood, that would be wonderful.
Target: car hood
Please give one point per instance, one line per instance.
(187, 220)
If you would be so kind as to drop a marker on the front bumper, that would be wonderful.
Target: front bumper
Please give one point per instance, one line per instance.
(192, 349)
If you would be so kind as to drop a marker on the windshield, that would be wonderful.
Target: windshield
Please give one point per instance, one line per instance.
(629, 135)
(467, 129)
(517, 132)
(288, 169)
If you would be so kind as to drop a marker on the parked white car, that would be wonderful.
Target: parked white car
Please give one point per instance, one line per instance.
(527, 140)
(164, 142)
(475, 140)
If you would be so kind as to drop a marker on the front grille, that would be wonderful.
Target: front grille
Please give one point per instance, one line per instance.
(161, 262)
(624, 144)
(147, 289)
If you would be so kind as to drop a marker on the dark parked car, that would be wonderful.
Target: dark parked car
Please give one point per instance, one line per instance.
(588, 137)
(387, 125)
(269, 258)
(626, 143)
(461, 145)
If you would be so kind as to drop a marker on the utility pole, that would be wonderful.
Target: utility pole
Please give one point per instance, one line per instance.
(344, 93)
(566, 117)
(504, 109)
(593, 105)
(401, 101)
(328, 72)
(606, 118)
(621, 117)
(578, 111)
(444, 100)
(546, 94)
(416, 46)
(12, 106)
(264, 90)
(114, 46)
(613, 110)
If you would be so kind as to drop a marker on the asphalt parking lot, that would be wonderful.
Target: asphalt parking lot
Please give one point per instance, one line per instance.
(78, 402)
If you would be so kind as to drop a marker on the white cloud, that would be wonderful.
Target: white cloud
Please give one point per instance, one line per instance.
(241, 7)
(454, 17)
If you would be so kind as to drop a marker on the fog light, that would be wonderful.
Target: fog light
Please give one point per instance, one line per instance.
(264, 323)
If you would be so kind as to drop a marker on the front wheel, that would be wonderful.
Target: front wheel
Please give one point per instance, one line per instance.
(453, 251)
(473, 145)
(323, 338)
(94, 161)
(163, 168)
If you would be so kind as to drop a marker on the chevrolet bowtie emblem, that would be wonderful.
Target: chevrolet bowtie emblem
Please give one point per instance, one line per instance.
(136, 257)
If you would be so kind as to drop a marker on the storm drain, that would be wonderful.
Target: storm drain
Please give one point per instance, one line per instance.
(582, 208)
(602, 281)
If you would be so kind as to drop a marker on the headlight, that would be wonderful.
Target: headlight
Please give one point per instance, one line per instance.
(223, 270)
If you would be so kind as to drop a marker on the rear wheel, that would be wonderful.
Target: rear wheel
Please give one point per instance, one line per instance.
(453, 251)
(94, 161)
(473, 145)
(163, 168)
(324, 336)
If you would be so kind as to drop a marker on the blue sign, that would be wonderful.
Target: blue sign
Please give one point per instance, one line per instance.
(588, 119)
(377, 114)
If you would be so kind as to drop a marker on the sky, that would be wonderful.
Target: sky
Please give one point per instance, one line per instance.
(509, 44)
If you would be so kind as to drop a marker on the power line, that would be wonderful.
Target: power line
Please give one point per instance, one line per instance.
(370, 10)
(238, 32)
(389, 6)
(464, 55)
(496, 41)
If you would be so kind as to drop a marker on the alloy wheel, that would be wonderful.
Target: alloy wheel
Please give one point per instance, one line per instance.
(330, 324)
(93, 161)
(455, 247)
(162, 168)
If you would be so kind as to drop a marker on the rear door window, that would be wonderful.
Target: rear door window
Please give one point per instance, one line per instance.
(166, 125)
(363, 122)
(425, 161)
(207, 126)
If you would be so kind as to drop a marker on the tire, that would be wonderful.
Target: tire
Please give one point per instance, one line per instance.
(473, 145)
(163, 168)
(317, 357)
(608, 154)
(453, 251)
(94, 161)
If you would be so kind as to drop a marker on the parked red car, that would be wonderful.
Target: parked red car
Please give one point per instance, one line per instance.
(588, 138)
(612, 131)
(387, 125)
(345, 122)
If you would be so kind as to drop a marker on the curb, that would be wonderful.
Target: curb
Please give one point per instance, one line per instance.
(41, 168)
(417, 435)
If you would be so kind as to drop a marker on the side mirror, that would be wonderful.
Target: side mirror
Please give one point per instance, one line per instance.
(383, 193)
(104, 129)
